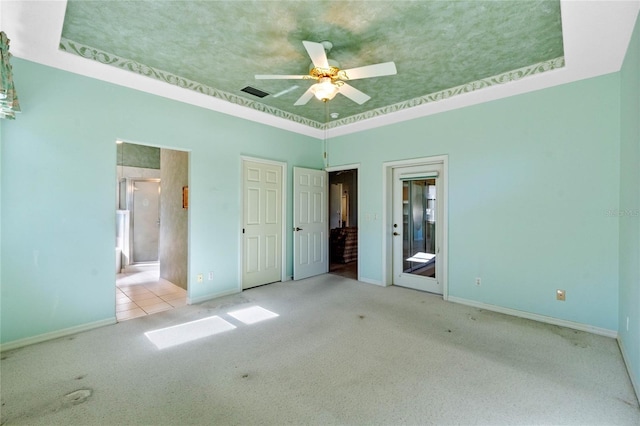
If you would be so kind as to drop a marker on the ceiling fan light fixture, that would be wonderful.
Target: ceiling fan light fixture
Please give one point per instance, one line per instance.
(324, 89)
(330, 78)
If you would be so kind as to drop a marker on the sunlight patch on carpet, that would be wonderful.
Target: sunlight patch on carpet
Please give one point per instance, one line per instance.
(253, 314)
(187, 332)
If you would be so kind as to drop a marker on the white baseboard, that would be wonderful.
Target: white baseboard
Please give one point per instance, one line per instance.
(194, 301)
(370, 281)
(56, 334)
(536, 317)
(634, 382)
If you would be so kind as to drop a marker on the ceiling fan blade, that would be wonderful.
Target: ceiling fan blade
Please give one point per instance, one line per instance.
(377, 70)
(354, 94)
(317, 54)
(280, 77)
(306, 97)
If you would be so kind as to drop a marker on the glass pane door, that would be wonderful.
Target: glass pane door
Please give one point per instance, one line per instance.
(419, 227)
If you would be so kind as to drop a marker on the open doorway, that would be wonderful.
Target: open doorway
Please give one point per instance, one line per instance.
(343, 223)
(151, 229)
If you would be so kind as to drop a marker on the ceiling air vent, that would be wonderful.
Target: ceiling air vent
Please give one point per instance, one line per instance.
(255, 92)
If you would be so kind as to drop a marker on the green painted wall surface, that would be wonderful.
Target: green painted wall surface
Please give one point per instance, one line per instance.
(173, 250)
(531, 179)
(133, 155)
(629, 213)
(58, 186)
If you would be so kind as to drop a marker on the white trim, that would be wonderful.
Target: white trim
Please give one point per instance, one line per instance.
(414, 176)
(56, 334)
(343, 167)
(387, 215)
(189, 227)
(356, 167)
(263, 160)
(283, 243)
(536, 317)
(208, 297)
(625, 358)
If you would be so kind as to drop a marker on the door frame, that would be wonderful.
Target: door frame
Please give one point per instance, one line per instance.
(189, 184)
(283, 211)
(356, 167)
(387, 216)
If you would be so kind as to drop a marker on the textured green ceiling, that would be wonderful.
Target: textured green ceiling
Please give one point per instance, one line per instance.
(440, 48)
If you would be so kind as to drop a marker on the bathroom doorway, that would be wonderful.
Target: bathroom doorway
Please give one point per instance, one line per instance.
(343, 222)
(152, 229)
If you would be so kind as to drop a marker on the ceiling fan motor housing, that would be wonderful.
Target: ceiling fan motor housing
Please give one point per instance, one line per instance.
(333, 70)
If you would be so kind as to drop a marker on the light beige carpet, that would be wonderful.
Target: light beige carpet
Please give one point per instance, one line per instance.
(338, 352)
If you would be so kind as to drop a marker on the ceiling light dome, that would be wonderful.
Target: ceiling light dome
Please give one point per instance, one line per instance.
(324, 90)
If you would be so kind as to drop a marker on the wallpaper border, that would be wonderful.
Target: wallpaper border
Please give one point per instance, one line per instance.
(106, 58)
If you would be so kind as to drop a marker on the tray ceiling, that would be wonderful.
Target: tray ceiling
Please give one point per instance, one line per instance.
(440, 48)
(449, 53)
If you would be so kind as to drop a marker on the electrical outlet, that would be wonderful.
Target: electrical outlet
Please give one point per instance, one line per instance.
(200, 278)
(478, 281)
(560, 295)
(210, 275)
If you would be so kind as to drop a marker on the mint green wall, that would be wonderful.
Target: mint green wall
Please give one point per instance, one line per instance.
(630, 207)
(531, 178)
(58, 185)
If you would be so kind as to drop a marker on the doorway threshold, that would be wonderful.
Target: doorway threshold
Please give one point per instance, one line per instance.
(141, 267)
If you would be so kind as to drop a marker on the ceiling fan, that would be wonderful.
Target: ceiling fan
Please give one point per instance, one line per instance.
(330, 78)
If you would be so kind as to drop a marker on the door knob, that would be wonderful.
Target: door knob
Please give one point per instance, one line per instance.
(396, 233)
(297, 229)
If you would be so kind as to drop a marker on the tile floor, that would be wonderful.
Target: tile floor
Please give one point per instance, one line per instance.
(144, 292)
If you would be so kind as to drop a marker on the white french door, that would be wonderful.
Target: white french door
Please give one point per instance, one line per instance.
(310, 225)
(417, 227)
(262, 223)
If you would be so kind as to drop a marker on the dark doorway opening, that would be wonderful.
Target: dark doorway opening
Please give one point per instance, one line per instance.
(343, 223)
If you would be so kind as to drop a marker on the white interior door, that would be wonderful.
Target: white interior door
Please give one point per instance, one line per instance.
(417, 227)
(262, 223)
(310, 225)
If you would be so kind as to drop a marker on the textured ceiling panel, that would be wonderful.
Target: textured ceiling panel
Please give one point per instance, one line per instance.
(216, 47)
